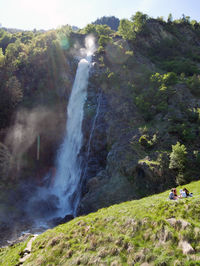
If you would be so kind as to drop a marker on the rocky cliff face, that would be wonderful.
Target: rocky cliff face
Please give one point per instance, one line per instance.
(120, 165)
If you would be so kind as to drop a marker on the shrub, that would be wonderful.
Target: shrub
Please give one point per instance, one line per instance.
(178, 157)
(144, 141)
(14, 91)
(139, 21)
(170, 78)
(126, 29)
(104, 40)
(1, 57)
(194, 84)
(5, 161)
(181, 66)
(113, 78)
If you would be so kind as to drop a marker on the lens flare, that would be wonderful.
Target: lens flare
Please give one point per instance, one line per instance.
(64, 43)
(90, 45)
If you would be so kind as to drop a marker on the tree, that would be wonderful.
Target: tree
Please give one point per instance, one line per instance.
(90, 28)
(104, 40)
(194, 84)
(126, 29)
(14, 91)
(178, 157)
(6, 161)
(103, 30)
(170, 78)
(1, 57)
(139, 21)
(170, 18)
(5, 39)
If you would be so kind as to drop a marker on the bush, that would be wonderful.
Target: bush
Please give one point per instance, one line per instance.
(181, 66)
(2, 58)
(139, 21)
(126, 29)
(194, 84)
(178, 157)
(104, 40)
(144, 141)
(113, 78)
(168, 79)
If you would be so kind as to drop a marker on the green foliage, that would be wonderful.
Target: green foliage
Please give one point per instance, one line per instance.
(165, 49)
(159, 80)
(194, 84)
(155, 99)
(195, 25)
(6, 161)
(139, 21)
(144, 105)
(129, 53)
(126, 29)
(170, 79)
(104, 40)
(32, 63)
(185, 20)
(14, 91)
(101, 49)
(145, 141)
(103, 30)
(5, 39)
(197, 156)
(113, 78)
(178, 157)
(181, 66)
(97, 30)
(1, 57)
(170, 18)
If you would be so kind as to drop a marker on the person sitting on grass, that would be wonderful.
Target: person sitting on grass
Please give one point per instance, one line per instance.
(188, 194)
(182, 194)
(173, 194)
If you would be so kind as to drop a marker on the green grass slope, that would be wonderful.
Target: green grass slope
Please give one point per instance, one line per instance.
(153, 230)
(10, 256)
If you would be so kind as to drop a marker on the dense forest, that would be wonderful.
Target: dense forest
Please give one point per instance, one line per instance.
(148, 72)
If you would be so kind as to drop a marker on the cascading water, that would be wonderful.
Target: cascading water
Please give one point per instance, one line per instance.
(67, 178)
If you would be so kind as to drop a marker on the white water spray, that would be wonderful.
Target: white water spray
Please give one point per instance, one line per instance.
(67, 178)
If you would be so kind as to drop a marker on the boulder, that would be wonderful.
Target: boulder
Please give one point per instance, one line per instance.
(186, 247)
(60, 220)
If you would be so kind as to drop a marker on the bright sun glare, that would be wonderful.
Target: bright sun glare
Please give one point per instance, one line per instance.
(47, 10)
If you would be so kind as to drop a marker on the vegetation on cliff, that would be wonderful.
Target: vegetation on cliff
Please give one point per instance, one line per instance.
(148, 72)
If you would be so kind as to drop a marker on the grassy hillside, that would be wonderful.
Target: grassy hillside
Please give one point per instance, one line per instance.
(154, 230)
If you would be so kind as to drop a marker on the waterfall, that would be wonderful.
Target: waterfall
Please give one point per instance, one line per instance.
(68, 165)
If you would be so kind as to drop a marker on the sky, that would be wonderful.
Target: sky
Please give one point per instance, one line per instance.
(48, 14)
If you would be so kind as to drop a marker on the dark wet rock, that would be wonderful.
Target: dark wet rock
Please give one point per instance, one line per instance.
(60, 220)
